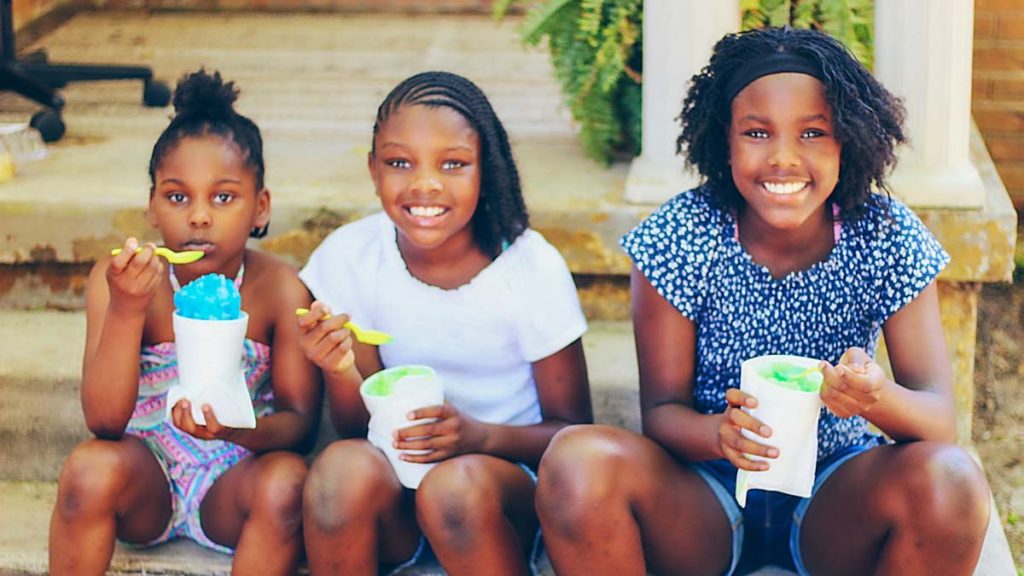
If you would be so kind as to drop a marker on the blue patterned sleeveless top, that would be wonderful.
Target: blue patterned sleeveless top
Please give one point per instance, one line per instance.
(690, 253)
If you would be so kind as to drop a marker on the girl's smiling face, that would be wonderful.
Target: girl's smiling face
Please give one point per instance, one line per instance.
(205, 198)
(425, 167)
(782, 149)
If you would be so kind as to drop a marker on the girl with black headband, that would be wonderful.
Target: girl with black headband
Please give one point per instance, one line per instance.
(786, 248)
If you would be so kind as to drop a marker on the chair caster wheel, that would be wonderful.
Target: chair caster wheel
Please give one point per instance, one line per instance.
(156, 94)
(49, 124)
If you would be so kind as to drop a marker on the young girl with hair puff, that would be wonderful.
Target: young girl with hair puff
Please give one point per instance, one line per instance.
(784, 249)
(145, 480)
(452, 270)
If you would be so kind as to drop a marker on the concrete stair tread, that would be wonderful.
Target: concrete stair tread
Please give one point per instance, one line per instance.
(23, 535)
(40, 364)
(40, 353)
(24, 519)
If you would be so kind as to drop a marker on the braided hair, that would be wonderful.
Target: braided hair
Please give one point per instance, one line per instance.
(500, 215)
(204, 106)
(867, 118)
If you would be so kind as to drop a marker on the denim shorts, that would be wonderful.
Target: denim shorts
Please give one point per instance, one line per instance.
(767, 531)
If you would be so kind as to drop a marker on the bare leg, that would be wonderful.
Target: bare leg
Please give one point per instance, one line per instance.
(256, 508)
(477, 510)
(919, 508)
(355, 513)
(107, 488)
(613, 502)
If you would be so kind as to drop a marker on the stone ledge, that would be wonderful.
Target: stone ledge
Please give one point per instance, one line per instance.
(26, 509)
(586, 232)
(980, 242)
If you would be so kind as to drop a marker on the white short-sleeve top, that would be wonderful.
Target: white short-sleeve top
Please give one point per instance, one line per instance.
(481, 337)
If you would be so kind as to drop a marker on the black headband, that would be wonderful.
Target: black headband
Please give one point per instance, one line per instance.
(774, 63)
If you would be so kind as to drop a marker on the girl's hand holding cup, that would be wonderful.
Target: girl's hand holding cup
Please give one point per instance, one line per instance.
(181, 414)
(854, 385)
(325, 340)
(133, 277)
(734, 445)
(450, 435)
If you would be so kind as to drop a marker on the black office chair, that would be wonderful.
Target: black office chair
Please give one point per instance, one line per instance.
(37, 79)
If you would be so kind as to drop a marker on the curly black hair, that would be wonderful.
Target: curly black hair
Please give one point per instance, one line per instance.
(500, 215)
(203, 106)
(867, 118)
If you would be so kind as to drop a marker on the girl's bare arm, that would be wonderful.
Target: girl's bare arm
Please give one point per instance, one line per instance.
(563, 390)
(118, 293)
(666, 344)
(343, 361)
(919, 404)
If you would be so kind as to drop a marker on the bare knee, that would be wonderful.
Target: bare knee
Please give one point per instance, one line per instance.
(278, 495)
(580, 468)
(458, 500)
(943, 489)
(350, 482)
(91, 479)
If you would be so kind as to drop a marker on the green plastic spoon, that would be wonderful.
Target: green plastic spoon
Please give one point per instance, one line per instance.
(803, 373)
(183, 257)
(371, 337)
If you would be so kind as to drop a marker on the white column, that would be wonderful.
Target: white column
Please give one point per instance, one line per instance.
(923, 53)
(678, 37)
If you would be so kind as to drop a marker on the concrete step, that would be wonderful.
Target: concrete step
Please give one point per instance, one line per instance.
(312, 82)
(24, 523)
(41, 416)
(41, 421)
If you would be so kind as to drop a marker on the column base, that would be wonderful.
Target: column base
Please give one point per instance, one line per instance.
(923, 187)
(654, 182)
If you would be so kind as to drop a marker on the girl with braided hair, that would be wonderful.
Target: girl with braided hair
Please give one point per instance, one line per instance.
(784, 249)
(146, 479)
(452, 270)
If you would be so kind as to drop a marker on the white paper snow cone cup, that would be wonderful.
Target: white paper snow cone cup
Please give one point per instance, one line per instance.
(210, 370)
(792, 414)
(389, 396)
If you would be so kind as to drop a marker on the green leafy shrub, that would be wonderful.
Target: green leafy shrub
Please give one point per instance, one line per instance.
(596, 49)
(849, 21)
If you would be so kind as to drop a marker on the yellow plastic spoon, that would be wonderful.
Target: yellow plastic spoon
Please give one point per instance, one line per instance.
(183, 257)
(371, 337)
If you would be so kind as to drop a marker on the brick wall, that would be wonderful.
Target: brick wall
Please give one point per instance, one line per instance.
(27, 11)
(998, 102)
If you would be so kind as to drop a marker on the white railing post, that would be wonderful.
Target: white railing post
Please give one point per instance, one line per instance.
(678, 35)
(923, 53)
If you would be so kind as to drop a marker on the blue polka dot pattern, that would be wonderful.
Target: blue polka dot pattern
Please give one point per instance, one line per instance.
(689, 252)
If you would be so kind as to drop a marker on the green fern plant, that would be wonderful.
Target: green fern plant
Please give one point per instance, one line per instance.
(595, 50)
(849, 21)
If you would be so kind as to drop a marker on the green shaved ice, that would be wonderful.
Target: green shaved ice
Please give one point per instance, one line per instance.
(380, 383)
(791, 376)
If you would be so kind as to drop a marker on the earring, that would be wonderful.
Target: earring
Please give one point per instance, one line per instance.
(260, 231)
